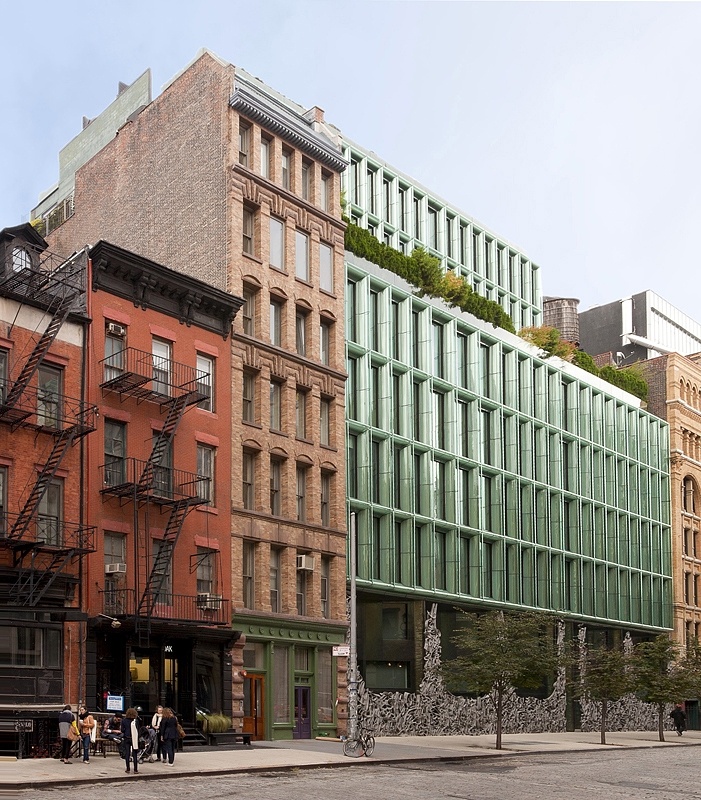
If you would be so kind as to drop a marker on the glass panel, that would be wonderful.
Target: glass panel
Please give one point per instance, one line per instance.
(281, 682)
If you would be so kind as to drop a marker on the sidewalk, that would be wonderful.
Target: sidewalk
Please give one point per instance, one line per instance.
(274, 756)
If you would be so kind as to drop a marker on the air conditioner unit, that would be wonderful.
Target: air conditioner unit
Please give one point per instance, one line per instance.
(209, 602)
(111, 569)
(115, 329)
(306, 563)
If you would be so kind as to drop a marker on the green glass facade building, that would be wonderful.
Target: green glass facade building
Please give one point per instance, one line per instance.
(481, 475)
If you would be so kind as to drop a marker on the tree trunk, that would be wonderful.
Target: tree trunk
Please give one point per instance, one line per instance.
(500, 707)
(660, 720)
(604, 719)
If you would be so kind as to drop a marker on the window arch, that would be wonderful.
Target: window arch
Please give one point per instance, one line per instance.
(689, 494)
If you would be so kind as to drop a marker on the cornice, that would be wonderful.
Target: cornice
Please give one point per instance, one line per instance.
(275, 120)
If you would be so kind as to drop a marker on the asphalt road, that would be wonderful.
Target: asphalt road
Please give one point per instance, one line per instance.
(659, 773)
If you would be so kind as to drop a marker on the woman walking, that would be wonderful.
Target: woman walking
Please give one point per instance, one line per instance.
(86, 723)
(130, 740)
(65, 720)
(169, 735)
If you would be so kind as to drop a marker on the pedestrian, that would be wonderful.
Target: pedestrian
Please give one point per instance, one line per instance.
(679, 717)
(130, 740)
(86, 725)
(156, 725)
(169, 735)
(65, 725)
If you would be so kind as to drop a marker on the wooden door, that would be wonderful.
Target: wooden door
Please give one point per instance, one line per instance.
(254, 706)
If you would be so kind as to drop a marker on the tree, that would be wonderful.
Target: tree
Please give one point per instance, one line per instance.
(605, 677)
(501, 650)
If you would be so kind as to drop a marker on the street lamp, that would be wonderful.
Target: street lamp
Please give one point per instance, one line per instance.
(114, 622)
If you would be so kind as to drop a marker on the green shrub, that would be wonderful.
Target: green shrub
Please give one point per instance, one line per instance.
(216, 723)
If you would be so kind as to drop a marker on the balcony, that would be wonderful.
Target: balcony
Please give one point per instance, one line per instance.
(208, 609)
(49, 534)
(130, 478)
(145, 376)
(46, 411)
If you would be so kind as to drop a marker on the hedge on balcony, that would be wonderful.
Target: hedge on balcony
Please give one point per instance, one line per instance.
(424, 272)
(550, 343)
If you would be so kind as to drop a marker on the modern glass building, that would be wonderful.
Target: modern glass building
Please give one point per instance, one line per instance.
(481, 475)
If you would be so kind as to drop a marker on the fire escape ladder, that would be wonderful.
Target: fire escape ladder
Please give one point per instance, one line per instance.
(32, 585)
(61, 446)
(176, 409)
(161, 566)
(59, 314)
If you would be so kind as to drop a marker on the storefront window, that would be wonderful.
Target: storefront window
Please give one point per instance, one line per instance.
(254, 655)
(281, 700)
(324, 685)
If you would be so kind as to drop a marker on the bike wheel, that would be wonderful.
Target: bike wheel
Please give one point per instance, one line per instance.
(369, 745)
(351, 748)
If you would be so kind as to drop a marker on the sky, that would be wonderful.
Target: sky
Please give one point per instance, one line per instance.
(570, 129)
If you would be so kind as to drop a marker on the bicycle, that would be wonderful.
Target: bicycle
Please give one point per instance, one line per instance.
(364, 744)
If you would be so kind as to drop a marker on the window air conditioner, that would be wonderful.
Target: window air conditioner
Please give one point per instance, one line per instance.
(306, 563)
(115, 329)
(209, 602)
(111, 569)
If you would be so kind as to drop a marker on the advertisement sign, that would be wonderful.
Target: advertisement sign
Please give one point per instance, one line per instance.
(115, 702)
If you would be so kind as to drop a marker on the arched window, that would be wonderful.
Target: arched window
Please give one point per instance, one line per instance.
(688, 498)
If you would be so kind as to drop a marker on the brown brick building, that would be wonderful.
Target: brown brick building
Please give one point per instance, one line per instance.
(675, 395)
(223, 180)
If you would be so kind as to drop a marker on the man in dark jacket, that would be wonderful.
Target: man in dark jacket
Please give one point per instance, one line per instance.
(679, 717)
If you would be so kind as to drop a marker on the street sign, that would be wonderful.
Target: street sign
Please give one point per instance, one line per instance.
(114, 702)
(24, 725)
(341, 650)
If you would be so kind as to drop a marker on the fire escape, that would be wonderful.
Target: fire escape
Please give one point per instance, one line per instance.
(44, 548)
(173, 387)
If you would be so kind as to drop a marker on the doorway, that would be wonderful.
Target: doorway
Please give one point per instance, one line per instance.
(253, 706)
(303, 722)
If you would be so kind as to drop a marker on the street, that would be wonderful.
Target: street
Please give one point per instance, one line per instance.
(660, 773)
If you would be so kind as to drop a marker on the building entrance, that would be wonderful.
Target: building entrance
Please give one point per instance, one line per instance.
(303, 722)
(254, 706)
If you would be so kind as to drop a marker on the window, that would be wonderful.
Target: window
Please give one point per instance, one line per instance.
(277, 243)
(326, 184)
(306, 179)
(371, 189)
(3, 501)
(49, 396)
(249, 471)
(265, 149)
(325, 421)
(50, 514)
(115, 453)
(276, 322)
(249, 563)
(115, 548)
(249, 310)
(326, 499)
(248, 243)
(275, 579)
(301, 587)
(387, 199)
(30, 647)
(205, 472)
(325, 571)
(163, 471)
(162, 571)
(115, 597)
(161, 356)
(301, 414)
(301, 332)
(286, 168)
(206, 560)
(325, 267)
(301, 493)
(275, 486)
(302, 255)
(275, 405)
(244, 142)
(249, 396)
(114, 356)
(205, 381)
(432, 231)
(325, 341)
(352, 465)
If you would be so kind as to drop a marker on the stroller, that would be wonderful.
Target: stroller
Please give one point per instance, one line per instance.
(147, 744)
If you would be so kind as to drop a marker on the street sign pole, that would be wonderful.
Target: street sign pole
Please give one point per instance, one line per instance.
(353, 658)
